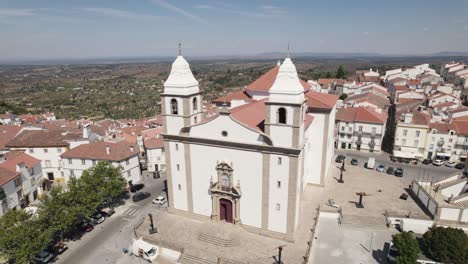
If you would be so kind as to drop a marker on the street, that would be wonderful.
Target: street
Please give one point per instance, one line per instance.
(105, 243)
(411, 172)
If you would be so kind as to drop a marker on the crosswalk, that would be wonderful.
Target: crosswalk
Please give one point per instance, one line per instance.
(131, 211)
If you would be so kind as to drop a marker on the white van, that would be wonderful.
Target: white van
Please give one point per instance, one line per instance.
(370, 163)
(145, 250)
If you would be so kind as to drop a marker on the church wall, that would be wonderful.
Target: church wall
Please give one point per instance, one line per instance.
(314, 149)
(281, 135)
(178, 175)
(235, 131)
(174, 124)
(277, 219)
(247, 169)
(298, 189)
(331, 140)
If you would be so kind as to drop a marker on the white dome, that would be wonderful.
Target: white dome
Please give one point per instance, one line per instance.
(287, 84)
(181, 77)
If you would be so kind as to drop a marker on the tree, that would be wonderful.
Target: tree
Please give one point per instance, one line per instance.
(388, 141)
(407, 246)
(343, 96)
(105, 180)
(21, 236)
(340, 73)
(448, 245)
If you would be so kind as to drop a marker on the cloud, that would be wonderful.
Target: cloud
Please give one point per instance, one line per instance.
(178, 10)
(204, 7)
(426, 29)
(365, 33)
(15, 12)
(117, 13)
(264, 11)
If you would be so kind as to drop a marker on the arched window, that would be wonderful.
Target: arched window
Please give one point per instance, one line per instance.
(282, 115)
(174, 107)
(194, 104)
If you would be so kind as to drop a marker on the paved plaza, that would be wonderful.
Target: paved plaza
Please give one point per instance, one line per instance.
(202, 239)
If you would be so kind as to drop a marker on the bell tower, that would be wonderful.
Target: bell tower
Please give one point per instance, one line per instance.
(286, 108)
(181, 100)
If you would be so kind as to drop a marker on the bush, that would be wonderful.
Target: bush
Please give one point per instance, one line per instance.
(408, 248)
(448, 245)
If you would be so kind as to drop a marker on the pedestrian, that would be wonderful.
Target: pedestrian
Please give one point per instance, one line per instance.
(125, 250)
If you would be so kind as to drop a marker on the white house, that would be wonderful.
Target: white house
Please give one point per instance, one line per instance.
(360, 128)
(47, 146)
(411, 133)
(155, 155)
(20, 180)
(85, 156)
(248, 164)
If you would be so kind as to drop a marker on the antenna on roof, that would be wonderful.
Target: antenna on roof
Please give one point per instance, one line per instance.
(180, 48)
(289, 51)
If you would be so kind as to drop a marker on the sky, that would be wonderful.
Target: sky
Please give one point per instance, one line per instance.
(62, 29)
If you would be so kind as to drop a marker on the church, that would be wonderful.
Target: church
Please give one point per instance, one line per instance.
(249, 163)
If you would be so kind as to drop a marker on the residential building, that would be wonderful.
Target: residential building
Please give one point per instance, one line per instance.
(411, 133)
(248, 164)
(360, 128)
(20, 180)
(7, 133)
(85, 156)
(155, 155)
(47, 146)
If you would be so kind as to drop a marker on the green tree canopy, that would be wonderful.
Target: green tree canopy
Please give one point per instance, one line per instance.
(340, 73)
(448, 245)
(408, 248)
(343, 96)
(22, 236)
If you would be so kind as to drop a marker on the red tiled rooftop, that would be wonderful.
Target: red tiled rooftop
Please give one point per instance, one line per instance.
(252, 114)
(14, 158)
(264, 82)
(316, 100)
(442, 127)
(154, 143)
(461, 126)
(97, 151)
(361, 114)
(7, 176)
(237, 95)
(43, 138)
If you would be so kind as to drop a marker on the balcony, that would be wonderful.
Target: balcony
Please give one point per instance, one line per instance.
(367, 134)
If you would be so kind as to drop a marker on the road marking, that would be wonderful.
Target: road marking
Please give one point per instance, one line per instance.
(126, 219)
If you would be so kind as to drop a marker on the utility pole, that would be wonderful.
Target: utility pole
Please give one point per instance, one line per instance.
(280, 250)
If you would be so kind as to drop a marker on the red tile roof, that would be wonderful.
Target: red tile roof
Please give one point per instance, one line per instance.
(361, 114)
(442, 127)
(7, 133)
(316, 100)
(264, 82)
(370, 97)
(401, 87)
(154, 143)
(461, 126)
(14, 158)
(237, 95)
(97, 151)
(442, 105)
(252, 114)
(7, 176)
(43, 138)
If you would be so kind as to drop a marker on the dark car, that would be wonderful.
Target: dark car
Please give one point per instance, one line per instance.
(460, 166)
(354, 162)
(107, 211)
(339, 158)
(97, 218)
(140, 196)
(426, 161)
(57, 247)
(43, 257)
(87, 227)
(399, 172)
(136, 187)
(390, 170)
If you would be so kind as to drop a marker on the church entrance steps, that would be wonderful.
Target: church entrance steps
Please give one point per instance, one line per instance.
(219, 241)
(363, 221)
(191, 259)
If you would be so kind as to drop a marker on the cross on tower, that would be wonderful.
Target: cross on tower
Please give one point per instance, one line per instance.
(180, 49)
(289, 51)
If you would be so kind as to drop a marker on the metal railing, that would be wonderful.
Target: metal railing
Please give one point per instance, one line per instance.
(311, 238)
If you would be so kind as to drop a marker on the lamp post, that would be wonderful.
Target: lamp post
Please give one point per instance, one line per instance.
(341, 170)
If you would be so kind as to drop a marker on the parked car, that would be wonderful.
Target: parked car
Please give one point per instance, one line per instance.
(426, 161)
(399, 172)
(460, 166)
(390, 170)
(107, 211)
(87, 227)
(354, 162)
(450, 164)
(159, 200)
(97, 218)
(136, 187)
(140, 196)
(392, 253)
(370, 163)
(43, 257)
(380, 168)
(339, 158)
(438, 162)
(57, 248)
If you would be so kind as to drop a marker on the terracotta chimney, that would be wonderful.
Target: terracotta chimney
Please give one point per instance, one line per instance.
(107, 149)
(131, 148)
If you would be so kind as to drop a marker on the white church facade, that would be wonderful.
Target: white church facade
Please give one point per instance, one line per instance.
(249, 164)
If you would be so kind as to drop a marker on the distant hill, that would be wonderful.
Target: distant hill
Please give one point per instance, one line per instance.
(450, 53)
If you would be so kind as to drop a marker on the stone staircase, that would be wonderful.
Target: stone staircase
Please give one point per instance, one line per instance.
(220, 241)
(191, 259)
(363, 221)
(444, 185)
